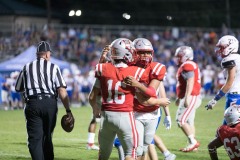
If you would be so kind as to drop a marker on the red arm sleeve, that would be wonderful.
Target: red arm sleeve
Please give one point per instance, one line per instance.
(150, 92)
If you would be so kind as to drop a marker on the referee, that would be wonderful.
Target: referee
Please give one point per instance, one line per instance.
(42, 82)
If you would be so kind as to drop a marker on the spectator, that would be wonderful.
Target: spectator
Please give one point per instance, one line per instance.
(5, 91)
(207, 80)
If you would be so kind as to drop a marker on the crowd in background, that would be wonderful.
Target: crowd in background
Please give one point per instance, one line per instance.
(82, 47)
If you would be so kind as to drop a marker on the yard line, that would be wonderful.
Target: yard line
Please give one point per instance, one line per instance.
(14, 155)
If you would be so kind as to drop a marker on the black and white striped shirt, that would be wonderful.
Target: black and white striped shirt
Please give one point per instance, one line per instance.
(40, 77)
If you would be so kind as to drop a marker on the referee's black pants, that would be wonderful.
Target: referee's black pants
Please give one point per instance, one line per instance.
(41, 116)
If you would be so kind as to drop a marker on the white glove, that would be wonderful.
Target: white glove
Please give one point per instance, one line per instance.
(167, 122)
(211, 104)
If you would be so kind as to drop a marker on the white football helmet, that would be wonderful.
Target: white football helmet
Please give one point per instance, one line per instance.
(122, 48)
(226, 45)
(142, 44)
(183, 54)
(232, 114)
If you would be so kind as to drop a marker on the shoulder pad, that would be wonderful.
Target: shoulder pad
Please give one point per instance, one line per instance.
(222, 130)
(102, 67)
(158, 71)
(98, 70)
(189, 66)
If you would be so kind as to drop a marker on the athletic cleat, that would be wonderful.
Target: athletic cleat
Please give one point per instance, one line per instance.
(92, 147)
(171, 156)
(191, 147)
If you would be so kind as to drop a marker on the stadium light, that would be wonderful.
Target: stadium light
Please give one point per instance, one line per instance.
(169, 18)
(78, 13)
(126, 16)
(71, 13)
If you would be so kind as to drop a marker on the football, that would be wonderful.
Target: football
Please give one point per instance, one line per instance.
(66, 124)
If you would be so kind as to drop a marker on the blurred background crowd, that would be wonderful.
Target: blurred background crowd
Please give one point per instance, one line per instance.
(82, 47)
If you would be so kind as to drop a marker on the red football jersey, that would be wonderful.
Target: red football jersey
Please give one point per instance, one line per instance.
(182, 83)
(231, 140)
(154, 70)
(117, 96)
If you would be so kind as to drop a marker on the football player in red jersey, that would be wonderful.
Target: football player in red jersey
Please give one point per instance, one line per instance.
(146, 113)
(228, 135)
(188, 95)
(117, 100)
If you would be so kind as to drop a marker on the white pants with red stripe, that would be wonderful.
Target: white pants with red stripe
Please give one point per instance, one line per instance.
(187, 115)
(121, 124)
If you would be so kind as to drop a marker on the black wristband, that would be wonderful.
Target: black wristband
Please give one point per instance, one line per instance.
(68, 110)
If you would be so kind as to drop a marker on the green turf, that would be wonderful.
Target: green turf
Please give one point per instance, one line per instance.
(72, 145)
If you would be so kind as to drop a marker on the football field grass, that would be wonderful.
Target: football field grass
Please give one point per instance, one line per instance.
(72, 146)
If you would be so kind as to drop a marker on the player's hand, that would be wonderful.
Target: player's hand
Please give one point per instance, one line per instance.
(104, 58)
(167, 122)
(211, 104)
(97, 112)
(70, 118)
(164, 101)
(131, 81)
(186, 102)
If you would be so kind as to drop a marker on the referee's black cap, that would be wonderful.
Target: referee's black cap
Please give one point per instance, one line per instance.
(43, 46)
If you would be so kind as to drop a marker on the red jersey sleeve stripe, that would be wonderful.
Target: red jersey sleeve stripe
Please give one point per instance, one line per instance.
(155, 68)
(99, 69)
(136, 74)
(139, 74)
(159, 69)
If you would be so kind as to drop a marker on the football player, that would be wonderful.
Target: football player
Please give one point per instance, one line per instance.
(228, 135)
(188, 94)
(227, 48)
(146, 113)
(117, 100)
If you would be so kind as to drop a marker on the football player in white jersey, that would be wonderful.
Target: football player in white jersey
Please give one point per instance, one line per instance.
(227, 47)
